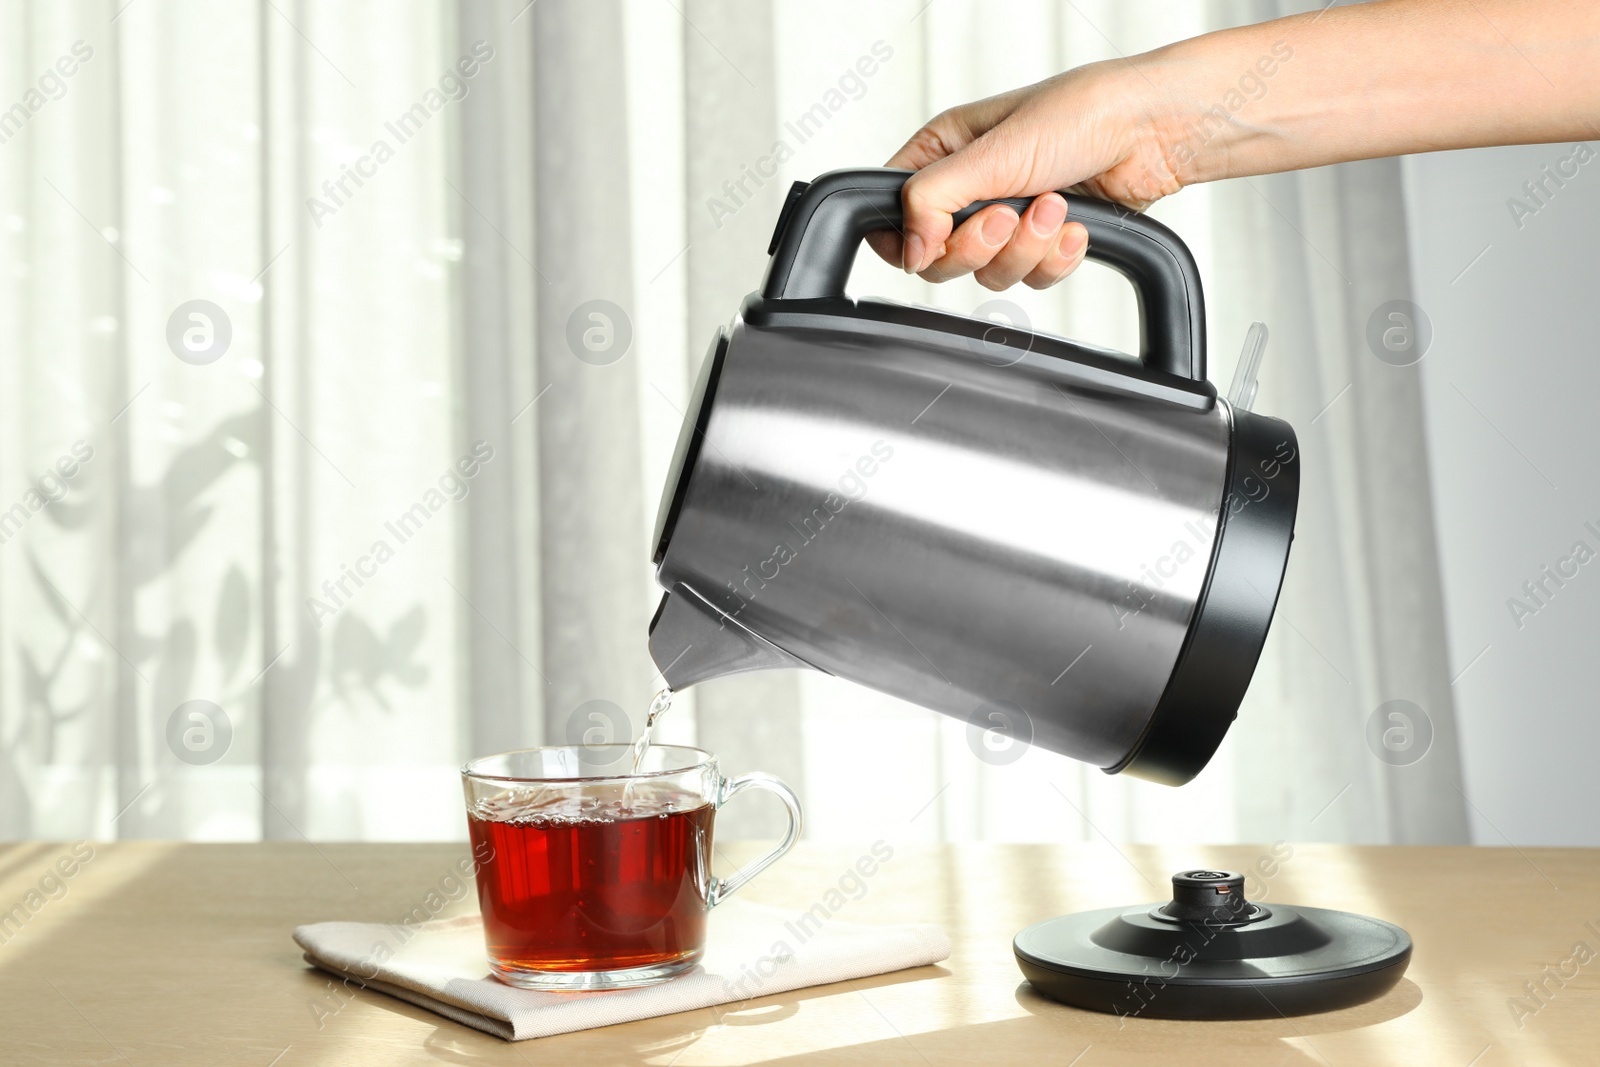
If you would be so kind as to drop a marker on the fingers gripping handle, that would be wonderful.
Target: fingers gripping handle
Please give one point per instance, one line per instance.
(721, 888)
(823, 223)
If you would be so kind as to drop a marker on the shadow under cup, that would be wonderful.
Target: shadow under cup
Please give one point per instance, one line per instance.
(594, 876)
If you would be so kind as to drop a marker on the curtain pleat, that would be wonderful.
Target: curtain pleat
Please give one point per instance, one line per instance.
(752, 721)
(504, 691)
(592, 527)
(1360, 620)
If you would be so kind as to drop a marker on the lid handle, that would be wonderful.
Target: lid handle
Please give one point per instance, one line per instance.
(823, 223)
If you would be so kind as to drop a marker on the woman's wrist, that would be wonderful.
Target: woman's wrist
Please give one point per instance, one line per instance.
(1209, 103)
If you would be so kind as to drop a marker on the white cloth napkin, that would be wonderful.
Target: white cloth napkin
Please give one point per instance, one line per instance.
(751, 951)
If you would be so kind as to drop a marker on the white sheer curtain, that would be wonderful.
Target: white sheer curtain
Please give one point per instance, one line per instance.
(182, 562)
(393, 329)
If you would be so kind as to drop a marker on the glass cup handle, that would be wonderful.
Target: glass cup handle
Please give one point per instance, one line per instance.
(721, 888)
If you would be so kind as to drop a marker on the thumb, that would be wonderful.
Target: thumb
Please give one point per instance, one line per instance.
(944, 134)
(993, 166)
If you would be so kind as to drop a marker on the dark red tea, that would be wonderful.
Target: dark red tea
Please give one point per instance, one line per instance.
(604, 881)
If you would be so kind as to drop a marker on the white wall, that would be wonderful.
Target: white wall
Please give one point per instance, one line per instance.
(1511, 390)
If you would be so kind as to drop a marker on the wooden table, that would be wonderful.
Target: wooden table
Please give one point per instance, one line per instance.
(174, 954)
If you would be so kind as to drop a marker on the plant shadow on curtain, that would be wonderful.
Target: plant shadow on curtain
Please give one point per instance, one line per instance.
(236, 279)
(402, 518)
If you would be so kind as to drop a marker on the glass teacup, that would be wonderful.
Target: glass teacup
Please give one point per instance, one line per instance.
(595, 878)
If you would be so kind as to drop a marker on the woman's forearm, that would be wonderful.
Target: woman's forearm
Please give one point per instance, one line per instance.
(1384, 78)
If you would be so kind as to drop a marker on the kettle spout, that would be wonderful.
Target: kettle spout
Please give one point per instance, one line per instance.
(691, 641)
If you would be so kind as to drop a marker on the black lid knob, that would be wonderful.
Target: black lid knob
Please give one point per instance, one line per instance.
(1214, 896)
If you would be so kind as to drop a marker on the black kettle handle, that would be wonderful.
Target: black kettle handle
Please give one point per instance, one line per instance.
(823, 223)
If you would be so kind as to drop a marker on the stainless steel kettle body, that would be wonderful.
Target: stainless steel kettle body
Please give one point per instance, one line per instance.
(1024, 532)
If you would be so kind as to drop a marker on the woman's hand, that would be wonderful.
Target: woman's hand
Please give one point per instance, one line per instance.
(1089, 130)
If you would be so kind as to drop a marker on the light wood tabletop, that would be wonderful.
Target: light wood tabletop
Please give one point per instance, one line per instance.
(176, 954)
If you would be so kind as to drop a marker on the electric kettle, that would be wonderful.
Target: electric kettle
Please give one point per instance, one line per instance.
(1029, 533)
